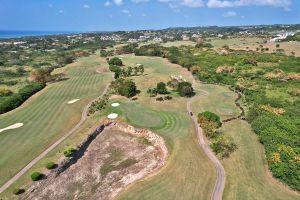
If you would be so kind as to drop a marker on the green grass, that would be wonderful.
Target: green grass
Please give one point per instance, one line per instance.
(47, 116)
(216, 99)
(188, 173)
(246, 170)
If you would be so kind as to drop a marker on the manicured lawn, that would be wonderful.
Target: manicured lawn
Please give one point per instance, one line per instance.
(47, 116)
(188, 174)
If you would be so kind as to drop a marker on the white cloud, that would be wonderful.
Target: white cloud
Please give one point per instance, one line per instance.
(107, 3)
(126, 12)
(118, 2)
(86, 6)
(238, 3)
(139, 1)
(187, 3)
(230, 14)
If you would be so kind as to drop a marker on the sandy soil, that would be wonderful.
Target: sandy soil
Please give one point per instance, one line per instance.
(101, 172)
(112, 116)
(16, 125)
(115, 104)
(73, 101)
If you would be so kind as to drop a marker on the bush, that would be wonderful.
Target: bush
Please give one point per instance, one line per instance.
(13, 101)
(18, 191)
(223, 146)
(185, 89)
(204, 45)
(36, 176)
(115, 61)
(124, 87)
(211, 117)
(161, 88)
(69, 152)
(51, 165)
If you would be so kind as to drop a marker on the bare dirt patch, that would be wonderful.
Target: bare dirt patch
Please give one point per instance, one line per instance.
(109, 162)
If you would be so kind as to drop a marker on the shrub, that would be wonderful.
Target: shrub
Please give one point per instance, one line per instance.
(159, 99)
(185, 89)
(36, 176)
(5, 92)
(51, 165)
(18, 191)
(124, 87)
(69, 152)
(204, 45)
(13, 101)
(161, 88)
(115, 61)
(211, 117)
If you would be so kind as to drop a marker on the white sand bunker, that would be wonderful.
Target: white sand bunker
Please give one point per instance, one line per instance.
(16, 125)
(115, 104)
(73, 101)
(112, 116)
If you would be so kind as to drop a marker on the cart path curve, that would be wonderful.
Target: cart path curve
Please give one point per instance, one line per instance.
(45, 152)
(220, 182)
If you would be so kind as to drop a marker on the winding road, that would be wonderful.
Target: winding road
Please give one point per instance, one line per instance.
(220, 182)
(45, 152)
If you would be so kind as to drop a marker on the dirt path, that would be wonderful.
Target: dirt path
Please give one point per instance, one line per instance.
(220, 182)
(45, 152)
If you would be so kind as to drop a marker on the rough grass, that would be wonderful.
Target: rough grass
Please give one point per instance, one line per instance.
(247, 175)
(179, 43)
(46, 115)
(216, 99)
(236, 42)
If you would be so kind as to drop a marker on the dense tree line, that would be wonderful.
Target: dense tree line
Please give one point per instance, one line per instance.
(12, 101)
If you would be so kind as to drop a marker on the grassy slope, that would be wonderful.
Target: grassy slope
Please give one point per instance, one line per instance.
(246, 170)
(247, 175)
(188, 174)
(46, 116)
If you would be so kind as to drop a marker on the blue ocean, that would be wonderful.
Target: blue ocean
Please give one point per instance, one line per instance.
(17, 34)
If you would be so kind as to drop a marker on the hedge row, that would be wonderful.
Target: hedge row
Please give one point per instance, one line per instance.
(11, 102)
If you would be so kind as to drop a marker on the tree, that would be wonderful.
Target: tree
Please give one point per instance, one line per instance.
(115, 61)
(40, 75)
(161, 88)
(124, 87)
(128, 88)
(185, 89)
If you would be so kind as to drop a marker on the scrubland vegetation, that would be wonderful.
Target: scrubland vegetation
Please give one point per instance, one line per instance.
(264, 79)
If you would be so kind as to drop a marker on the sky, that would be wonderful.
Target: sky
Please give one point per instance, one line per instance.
(114, 15)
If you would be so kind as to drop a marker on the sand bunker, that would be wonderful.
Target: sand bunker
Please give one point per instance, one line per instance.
(115, 104)
(112, 116)
(73, 101)
(16, 125)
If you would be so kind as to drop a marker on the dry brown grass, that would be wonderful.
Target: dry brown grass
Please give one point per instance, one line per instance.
(224, 69)
(276, 111)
